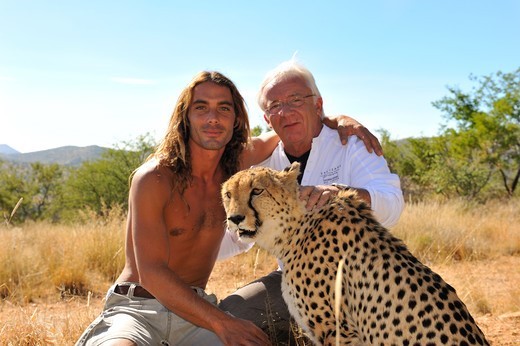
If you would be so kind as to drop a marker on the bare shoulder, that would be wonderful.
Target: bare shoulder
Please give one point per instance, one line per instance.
(151, 176)
(150, 168)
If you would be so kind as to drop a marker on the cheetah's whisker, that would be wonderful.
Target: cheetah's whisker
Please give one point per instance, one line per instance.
(337, 298)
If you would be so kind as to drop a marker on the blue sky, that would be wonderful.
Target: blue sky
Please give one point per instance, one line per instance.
(104, 72)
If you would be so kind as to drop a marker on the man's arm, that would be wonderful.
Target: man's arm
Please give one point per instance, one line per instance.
(347, 126)
(260, 149)
(370, 176)
(148, 196)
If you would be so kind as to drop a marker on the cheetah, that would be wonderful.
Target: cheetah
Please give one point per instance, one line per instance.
(388, 297)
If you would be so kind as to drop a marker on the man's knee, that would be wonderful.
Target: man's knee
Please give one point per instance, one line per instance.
(260, 302)
(260, 295)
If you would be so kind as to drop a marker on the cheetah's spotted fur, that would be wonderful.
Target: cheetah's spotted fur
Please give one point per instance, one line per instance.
(387, 298)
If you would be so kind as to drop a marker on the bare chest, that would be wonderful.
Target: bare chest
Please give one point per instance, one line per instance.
(199, 211)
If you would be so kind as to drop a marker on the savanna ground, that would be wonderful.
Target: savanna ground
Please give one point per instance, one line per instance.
(53, 277)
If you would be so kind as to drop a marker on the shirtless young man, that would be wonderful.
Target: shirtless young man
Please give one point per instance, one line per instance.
(176, 223)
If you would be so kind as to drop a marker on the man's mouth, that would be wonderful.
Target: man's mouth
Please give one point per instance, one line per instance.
(213, 133)
(290, 125)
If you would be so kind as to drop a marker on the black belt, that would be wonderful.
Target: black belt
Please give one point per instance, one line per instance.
(139, 291)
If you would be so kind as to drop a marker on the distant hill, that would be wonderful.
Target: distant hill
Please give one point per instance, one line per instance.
(7, 150)
(67, 156)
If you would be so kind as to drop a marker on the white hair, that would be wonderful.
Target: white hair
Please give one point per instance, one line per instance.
(287, 70)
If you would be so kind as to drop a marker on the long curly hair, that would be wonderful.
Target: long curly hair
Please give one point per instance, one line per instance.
(173, 151)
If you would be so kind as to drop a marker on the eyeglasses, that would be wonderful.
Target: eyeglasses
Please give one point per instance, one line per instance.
(293, 101)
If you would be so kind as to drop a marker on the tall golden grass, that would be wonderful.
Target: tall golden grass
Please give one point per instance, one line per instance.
(46, 260)
(439, 232)
(53, 277)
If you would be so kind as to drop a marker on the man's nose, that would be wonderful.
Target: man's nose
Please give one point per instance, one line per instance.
(286, 108)
(212, 116)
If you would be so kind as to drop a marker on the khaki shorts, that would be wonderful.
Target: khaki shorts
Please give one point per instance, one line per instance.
(146, 322)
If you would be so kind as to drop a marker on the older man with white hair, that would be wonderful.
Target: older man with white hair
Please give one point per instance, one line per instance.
(293, 108)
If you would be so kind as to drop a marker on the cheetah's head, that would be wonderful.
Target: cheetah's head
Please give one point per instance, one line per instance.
(259, 200)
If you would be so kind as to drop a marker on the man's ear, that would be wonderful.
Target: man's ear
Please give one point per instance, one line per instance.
(319, 107)
(268, 121)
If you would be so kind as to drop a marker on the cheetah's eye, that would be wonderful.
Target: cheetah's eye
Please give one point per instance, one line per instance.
(256, 192)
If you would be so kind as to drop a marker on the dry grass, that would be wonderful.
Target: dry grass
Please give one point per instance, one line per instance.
(455, 231)
(48, 270)
(41, 260)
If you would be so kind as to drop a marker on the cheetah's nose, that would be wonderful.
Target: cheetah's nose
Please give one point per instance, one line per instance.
(236, 219)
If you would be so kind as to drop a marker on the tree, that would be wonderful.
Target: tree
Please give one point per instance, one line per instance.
(12, 188)
(396, 154)
(256, 131)
(46, 188)
(482, 131)
(455, 168)
(38, 185)
(104, 184)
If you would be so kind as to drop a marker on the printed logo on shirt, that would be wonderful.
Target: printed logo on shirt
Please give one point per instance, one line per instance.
(331, 175)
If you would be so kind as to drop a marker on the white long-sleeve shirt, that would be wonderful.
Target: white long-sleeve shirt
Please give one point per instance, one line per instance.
(332, 162)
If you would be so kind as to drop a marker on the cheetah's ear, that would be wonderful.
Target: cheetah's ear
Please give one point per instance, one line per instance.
(291, 172)
(293, 166)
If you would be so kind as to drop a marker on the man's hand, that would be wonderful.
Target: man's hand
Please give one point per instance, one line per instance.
(238, 332)
(348, 126)
(317, 196)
